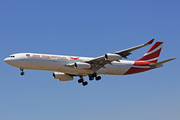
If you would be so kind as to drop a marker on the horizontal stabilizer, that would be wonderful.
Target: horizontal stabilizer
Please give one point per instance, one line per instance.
(159, 64)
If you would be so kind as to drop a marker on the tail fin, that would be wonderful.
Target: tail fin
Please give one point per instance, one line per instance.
(153, 53)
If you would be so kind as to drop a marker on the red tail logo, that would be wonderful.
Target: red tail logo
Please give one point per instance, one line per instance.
(152, 54)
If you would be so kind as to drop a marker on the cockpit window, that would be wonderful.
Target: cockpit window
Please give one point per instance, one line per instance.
(12, 56)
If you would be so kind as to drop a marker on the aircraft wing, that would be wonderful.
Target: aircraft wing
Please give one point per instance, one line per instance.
(99, 62)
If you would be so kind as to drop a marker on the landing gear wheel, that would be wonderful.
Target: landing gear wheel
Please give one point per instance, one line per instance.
(98, 78)
(80, 80)
(94, 75)
(85, 83)
(22, 73)
(91, 78)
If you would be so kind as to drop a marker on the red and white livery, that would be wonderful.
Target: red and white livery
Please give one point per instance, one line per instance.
(67, 67)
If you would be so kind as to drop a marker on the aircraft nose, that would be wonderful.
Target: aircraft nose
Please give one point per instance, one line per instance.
(6, 60)
(11, 61)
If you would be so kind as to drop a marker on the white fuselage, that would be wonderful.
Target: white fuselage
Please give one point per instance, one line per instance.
(58, 63)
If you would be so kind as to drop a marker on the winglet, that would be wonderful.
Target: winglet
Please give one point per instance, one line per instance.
(150, 42)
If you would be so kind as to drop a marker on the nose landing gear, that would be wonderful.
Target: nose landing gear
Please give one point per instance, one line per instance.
(22, 73)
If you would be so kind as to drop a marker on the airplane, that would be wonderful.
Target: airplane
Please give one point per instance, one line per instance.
(67, 67)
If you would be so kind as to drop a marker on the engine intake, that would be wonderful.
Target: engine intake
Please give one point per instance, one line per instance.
(62, 76)
(112, 57)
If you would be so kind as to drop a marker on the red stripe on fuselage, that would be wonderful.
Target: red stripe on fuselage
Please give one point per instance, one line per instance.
(75, 58)
(138, 63)
(135, 69)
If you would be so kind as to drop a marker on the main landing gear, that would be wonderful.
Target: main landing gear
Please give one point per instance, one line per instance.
(94, 75)
(91, 77)
(22, 73)
(81, 80)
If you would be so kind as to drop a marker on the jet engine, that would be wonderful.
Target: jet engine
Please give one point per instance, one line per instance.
(112, 57)
(62, 76)
(81, 65)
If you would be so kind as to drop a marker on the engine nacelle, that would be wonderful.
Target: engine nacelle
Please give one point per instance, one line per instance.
(62, 76)
(112, 57)
(81, 65)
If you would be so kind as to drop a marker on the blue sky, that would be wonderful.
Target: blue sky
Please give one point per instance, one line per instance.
(89, 28)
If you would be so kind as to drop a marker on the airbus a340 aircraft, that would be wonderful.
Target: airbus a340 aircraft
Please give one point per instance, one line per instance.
(67, 67)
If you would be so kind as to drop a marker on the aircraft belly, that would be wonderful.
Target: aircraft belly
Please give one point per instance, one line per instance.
(74, 71)
(102, 71)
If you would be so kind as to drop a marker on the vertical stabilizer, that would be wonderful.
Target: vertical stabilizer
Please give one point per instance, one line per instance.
(153, 53)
